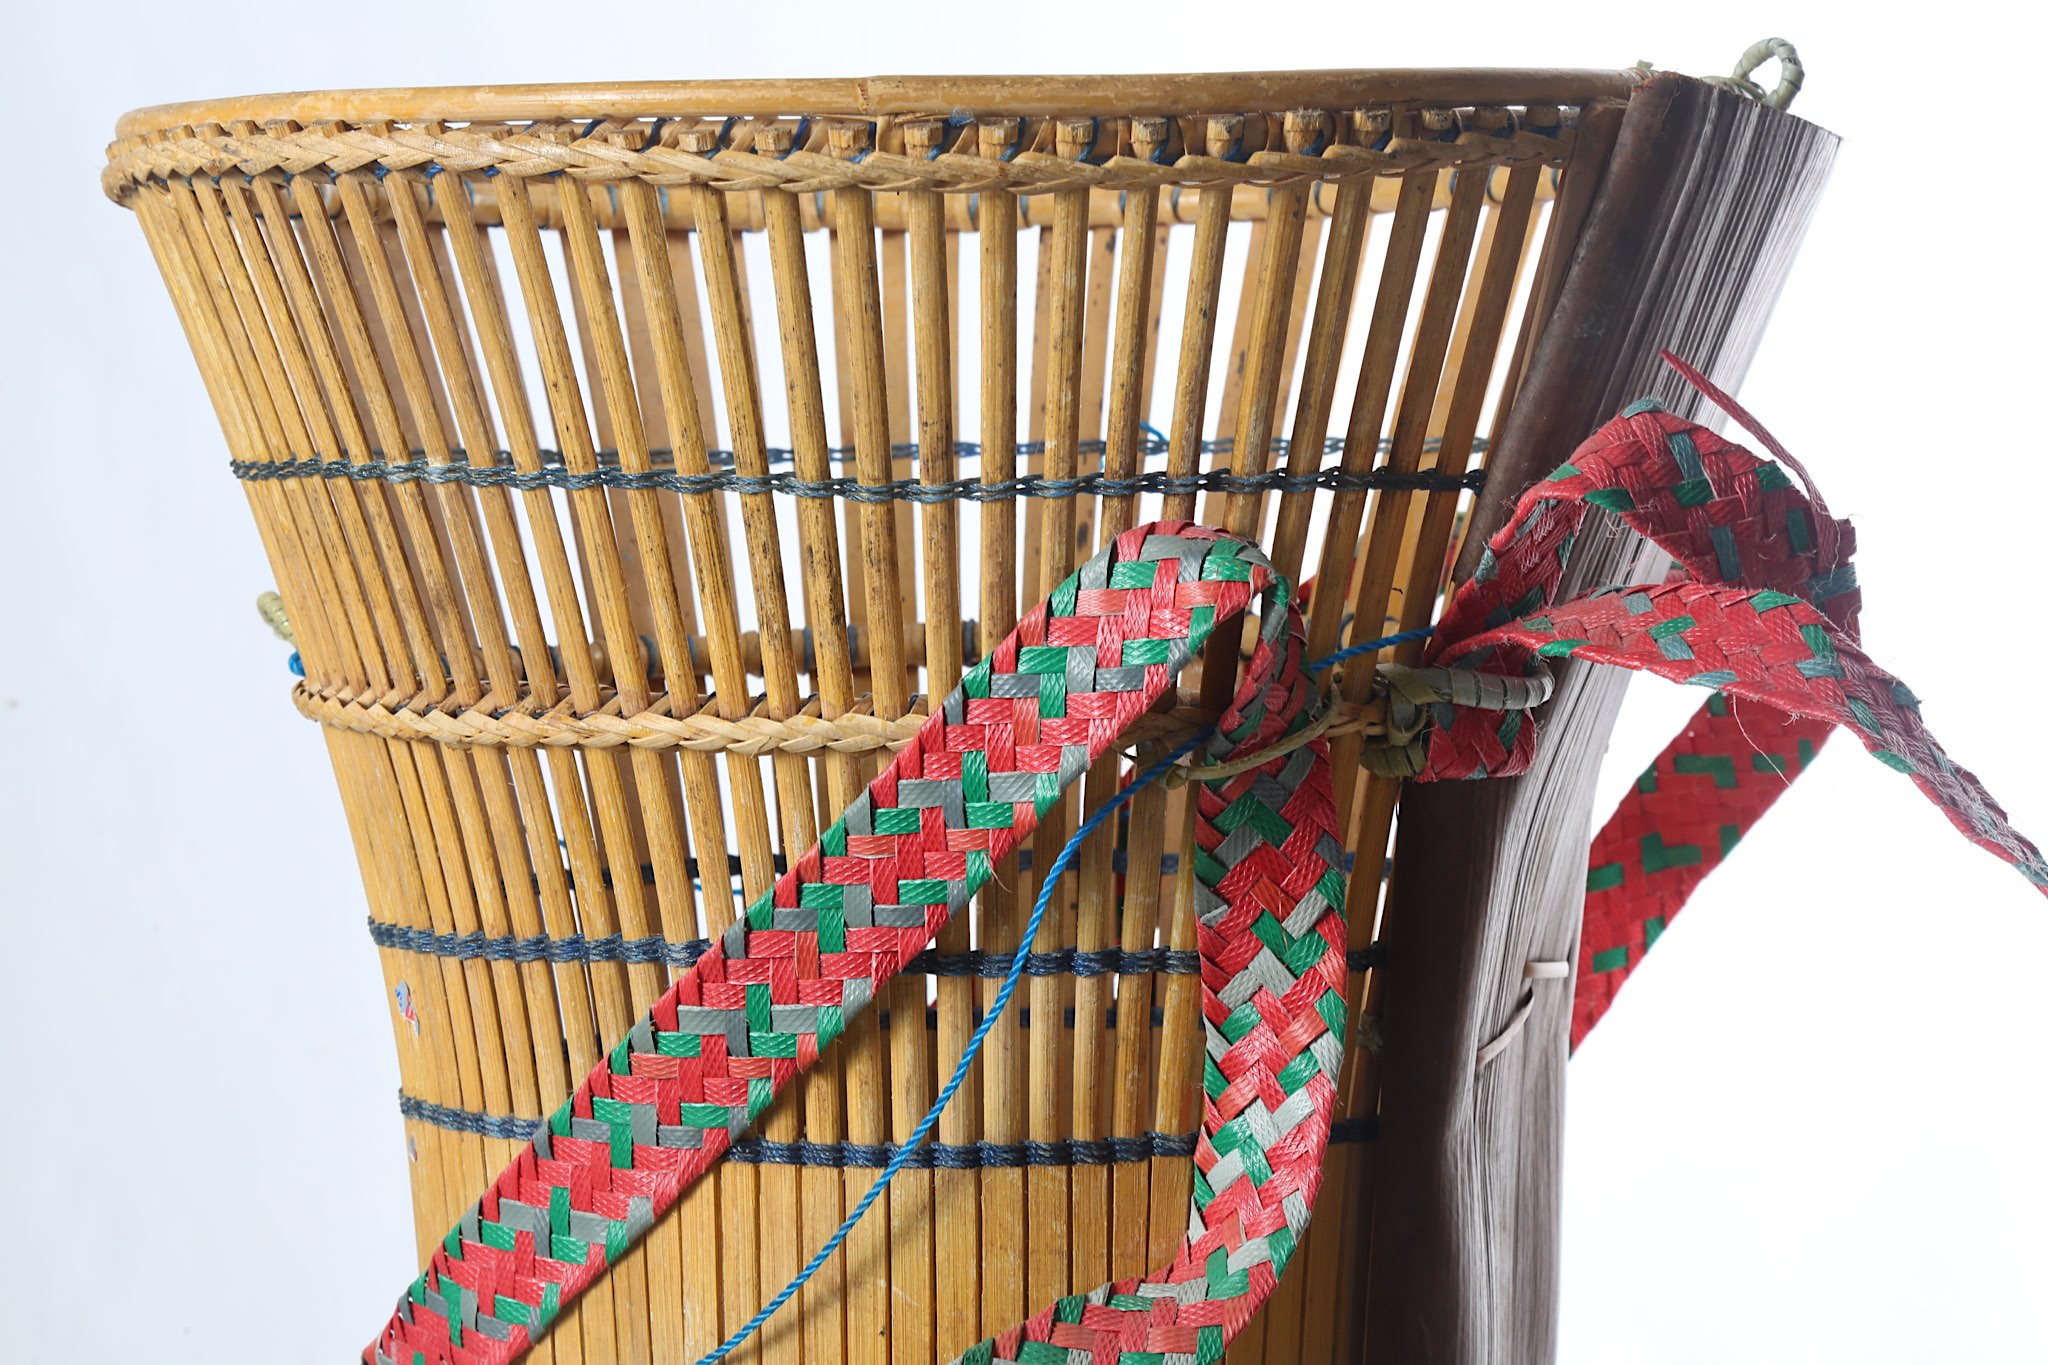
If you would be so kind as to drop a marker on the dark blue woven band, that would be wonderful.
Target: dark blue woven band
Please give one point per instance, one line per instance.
(618, 948)
(500, 473)
(873, 1156)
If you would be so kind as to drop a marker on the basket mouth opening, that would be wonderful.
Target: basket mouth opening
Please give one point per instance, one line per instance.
(1234, 92)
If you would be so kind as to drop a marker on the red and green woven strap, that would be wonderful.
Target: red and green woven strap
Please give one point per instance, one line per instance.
(1761, 608)
(757, 1008)
(1685, 812)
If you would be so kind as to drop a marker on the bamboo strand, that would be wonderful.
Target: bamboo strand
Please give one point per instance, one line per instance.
(1198, 328)
(1114, 1246)
(434, 1049)
(481, 904)
(1349, 226)
(359, 584)
(824, 1302)
(780, 1253)
(894, 261)
(1369, 406)
(956, 1289)
(561, 999)
(998, 926)
(244, 273)
(875, 1250)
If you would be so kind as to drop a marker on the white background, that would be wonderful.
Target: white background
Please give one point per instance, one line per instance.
(1810, 1130)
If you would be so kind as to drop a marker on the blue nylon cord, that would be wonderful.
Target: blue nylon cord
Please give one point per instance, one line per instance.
(1002, 1001)
(1406, 637)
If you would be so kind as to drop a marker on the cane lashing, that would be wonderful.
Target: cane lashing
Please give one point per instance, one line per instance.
(715, 1050)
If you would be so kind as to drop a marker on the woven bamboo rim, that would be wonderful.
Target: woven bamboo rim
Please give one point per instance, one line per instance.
(879, 96)
(550, 149)
(887, 134)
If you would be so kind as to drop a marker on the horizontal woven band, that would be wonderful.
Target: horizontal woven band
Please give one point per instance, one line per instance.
(619, 948)
(954, 1156)
(964, 452)
(504, 475)
(703, 731)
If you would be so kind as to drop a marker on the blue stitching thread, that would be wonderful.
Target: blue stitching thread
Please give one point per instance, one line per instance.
(1406, 637)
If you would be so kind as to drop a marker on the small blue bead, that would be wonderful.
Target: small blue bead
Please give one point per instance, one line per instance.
(297, 667)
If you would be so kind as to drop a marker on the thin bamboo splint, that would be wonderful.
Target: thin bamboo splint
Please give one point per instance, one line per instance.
(634, 460)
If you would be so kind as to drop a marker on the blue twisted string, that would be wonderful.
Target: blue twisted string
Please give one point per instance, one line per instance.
(1406, 637)
(907, 1152)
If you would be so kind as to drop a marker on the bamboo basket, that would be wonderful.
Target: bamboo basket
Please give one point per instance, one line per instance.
(635, 460)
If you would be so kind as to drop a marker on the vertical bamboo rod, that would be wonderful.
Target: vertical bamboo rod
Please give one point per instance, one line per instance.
(1035, 398)
(1369, 405)
(1049, 1273)
(572, 988)
(1227, 454)
(1102, 1099)
(492, 780)
(1198, 326)
(1350, 221)
(874, 1248)
(1506, 249)
(248, 277)
(374, 618)
(824, 1302)
(855, 513)
(1101, 275)
(1003, 1078)
(893, 259)
(1270, 308)
(956, 1291)
(781, 1255)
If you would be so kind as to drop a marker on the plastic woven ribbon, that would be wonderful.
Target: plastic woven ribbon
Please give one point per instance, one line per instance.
(736, 1028)
(1761, 607)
